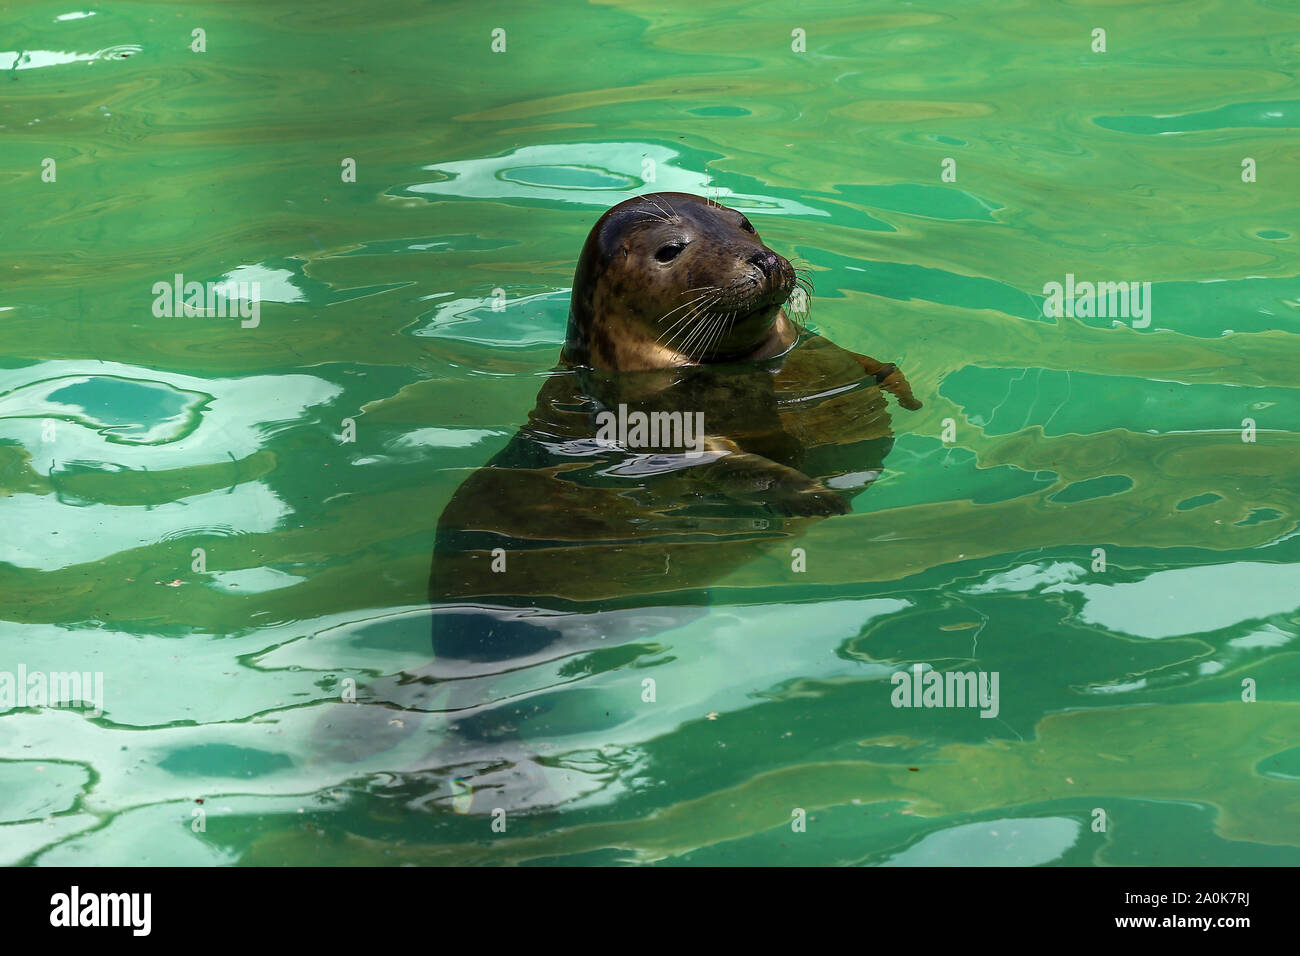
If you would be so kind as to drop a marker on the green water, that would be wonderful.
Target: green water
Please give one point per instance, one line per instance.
(127, 440)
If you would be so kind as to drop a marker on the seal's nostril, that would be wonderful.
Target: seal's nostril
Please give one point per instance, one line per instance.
(766, 261)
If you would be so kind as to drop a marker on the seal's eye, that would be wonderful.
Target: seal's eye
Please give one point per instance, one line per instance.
(746, 224)
(669, 252)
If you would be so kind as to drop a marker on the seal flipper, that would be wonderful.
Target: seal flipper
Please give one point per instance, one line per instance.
(745, 476)
(890, 378)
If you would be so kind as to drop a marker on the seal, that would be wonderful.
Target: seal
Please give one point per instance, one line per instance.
(692, 426)
(677, 319)
(670, 279)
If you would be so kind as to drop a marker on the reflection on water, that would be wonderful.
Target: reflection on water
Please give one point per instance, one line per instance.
(607, 174)
(235, 525)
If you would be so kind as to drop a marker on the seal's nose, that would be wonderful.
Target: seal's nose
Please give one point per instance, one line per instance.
(765, 260)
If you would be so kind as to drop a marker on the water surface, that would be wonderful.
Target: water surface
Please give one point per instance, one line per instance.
(128, 440)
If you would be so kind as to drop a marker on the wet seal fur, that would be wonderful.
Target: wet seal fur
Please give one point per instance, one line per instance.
(564, 543)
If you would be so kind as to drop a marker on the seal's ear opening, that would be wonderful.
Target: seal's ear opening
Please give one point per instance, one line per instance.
(610, 233)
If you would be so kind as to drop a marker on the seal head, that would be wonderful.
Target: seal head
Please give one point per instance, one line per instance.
(670, 279)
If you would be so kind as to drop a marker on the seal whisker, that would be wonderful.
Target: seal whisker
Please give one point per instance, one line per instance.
(721, 330)
(670, 216)
(731, 320)
(683, 305)
(693, 331)
(701, 344)
(653, 218)
(705, 295)
(697, 334)
(800, 316)
(730, 323)
(672, 343)
(680, 325)
(686, 330)
(704, 342)
(651, 201)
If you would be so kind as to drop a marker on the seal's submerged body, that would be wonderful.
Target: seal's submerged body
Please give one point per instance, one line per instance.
(689, 429)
